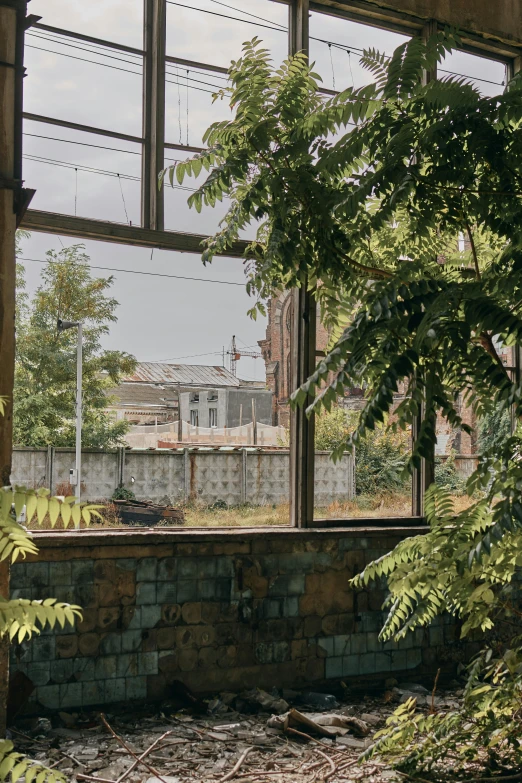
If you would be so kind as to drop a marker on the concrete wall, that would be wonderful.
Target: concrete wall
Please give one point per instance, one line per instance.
(235, 477)
(244, 397)
(218, 611)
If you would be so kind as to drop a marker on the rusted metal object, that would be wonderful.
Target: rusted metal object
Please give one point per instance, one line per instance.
(140, 512)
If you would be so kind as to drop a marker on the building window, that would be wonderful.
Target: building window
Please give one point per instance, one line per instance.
(194, 397)
(212, 396)
(194, 418)
(212, 417)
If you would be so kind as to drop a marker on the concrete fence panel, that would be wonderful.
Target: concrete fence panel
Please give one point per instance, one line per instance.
(232, 477)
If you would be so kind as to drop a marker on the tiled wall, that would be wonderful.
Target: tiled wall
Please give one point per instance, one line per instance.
(215, 610)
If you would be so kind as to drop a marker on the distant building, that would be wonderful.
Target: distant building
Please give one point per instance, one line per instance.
(226, 407)
(159, 395)
(144, 403)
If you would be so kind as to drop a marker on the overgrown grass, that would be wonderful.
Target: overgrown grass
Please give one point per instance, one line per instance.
(383, 504)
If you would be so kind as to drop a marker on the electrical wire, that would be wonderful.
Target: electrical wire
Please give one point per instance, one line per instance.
(83, 59)
(179, 106)
(281, 28)
(129, 62)
(117, 68)
(137, 272)
(84, 49)
(95, 146)
(93, 170)
(57, 37)
(226, 16)
(55, 40)
(473, 78)
(247, 13)
(123, 199)
(191, 356)
(331, 63)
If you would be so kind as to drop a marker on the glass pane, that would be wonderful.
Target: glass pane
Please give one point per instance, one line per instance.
(120, 21)
(486, 75)
(190, 108)
(82, 174)
(337, 44)
(82, 82)
(178, 215)
(221, 30)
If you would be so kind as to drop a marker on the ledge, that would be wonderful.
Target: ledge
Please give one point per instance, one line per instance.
(119, 536)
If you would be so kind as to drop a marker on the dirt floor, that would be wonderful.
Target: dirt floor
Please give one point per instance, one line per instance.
(221, 740)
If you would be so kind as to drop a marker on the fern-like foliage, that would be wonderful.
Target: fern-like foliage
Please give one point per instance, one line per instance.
(20, 617)
(18, 767)
(484, 730)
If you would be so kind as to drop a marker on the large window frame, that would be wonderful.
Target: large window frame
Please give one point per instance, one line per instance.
(152, 234)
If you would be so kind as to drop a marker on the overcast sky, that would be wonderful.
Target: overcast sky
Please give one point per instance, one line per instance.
(161, 318)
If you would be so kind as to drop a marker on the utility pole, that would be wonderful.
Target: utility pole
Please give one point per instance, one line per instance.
(76, 475)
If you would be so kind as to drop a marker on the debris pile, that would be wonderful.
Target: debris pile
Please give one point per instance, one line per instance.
(250, 736)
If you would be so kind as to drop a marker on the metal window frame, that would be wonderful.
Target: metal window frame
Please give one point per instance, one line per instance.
(151, 233)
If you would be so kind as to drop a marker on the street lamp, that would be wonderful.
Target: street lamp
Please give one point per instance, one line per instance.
(76, 474)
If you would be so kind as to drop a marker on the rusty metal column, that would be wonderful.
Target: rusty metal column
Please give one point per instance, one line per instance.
(425, 475)
(154, 42)
(303, 336)
(12, 21)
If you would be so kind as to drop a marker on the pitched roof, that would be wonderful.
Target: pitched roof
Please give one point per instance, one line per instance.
(183, 374)
(143, 395)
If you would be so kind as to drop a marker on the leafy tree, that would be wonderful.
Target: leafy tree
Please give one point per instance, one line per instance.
(45, 380)
(434, 160)
(494, 428)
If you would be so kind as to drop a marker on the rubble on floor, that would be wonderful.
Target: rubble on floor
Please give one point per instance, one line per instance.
(246, 737)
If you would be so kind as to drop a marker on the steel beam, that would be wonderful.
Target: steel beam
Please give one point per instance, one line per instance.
(303, 338)
(154, 37)
(87, 228)
(80, 127)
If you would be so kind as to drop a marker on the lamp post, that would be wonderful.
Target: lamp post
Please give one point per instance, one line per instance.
(76, 476)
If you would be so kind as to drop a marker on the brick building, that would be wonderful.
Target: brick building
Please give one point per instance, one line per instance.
(276, 353)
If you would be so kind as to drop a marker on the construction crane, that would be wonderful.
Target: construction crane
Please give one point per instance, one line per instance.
(236, 353)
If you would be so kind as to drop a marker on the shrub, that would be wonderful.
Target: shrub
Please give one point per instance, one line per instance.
(122, 493)
(446, 475)
(380, 456)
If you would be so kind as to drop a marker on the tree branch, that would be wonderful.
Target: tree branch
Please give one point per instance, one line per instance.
(473, 251)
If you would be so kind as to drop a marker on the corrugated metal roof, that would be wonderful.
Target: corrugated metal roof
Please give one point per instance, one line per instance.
(144, 395)
(184, 374)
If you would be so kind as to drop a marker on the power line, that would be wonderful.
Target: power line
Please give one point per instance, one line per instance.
(83, 59)
(247, 13)
(84, 49)
(137, 272)
(226, 16)
(280, 29)
(92, 170)
(57, 37)
(95, 146)
(473, 78)
(59, 42)
(117, 68)
(56, 40)
(191, 356)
